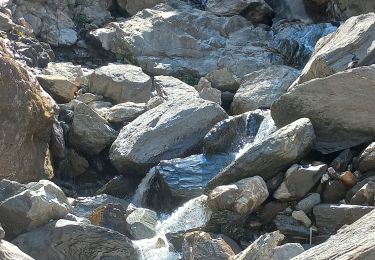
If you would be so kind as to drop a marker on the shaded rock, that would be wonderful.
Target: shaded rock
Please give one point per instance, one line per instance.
(309, 202)
(201, 245)
(290, 10)
(2, 233)
(90, 133)
(342, 161)
(232, 7)
(223, 80)
(32, 208)
(334, 191)
(335, 108)
(74, 165)
(298, 180)
(261, 88)
(123, 113)
(60, 88)
(270, 210)
(290, 226)
(57, 143)
(9, 251)
(111, 216)
(351, 242)
(365, 195)
(96, 12)
(65, 239)
(336, 215)
(366, 161)
(287, 251)
(283, 147)
(274, 183)
(134, 6)
(119, 186)
(344, 9)
(357, 187)
(259, 12)
(302, 217)
(242, 197)
(141, 223)
(10, 188)
(121, 83)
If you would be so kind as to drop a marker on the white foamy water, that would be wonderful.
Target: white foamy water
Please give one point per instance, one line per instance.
(142, 188)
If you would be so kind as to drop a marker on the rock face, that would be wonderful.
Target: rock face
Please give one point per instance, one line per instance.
(9, 251)
(26, 118)
(334, 52)
(332, 104)
(65, 239)
(261, 88)
(134, 6)
(242, 197)
(142, 223)
(32, 208)
(121, 83)
(185, 118)
(267, 158)
(351, 242)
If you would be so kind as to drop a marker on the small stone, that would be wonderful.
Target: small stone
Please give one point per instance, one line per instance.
(287, 251)
(142, 223)
(334, 191)
(302, 217)
(309, 202)
(348, 178)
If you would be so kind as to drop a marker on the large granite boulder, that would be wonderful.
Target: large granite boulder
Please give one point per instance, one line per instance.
(26, 118)
(185, 118)
(9, 251)
(65, 239)
(339, 107)
(33, 207)
(281, 149)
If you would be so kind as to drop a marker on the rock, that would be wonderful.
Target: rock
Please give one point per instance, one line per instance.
(336, 123)
(261, 88)
(365, 195)
(134, 6)
(259, 12)
(180, 50)
(270, 210)
(357, 187)
(287, 251)
(268, 157)
(290, 226)
(9, 251)
(124, 113)
(32, 208)
(309, 202)
(2, 233)
(298, 181)
(201, 245)
(343, 9)
(334, 52)
(274, 183)
(302, 217)
(60, 88)
(229, 8)
(342, 161)
(334, 191)
(119, 187)
(111, 216)
(336, 215)
(262, 248)
(121, 83)
(65, 239)
(26, 118)
(75, 164)
(90, 133)
(74, 73)
(186, 118)
(348, 178)
(351, 242)
(141, 223)
(10, 188)
(96, 12)
(242, 197)
(223, 80)
(290, 10)
(366, 161)
(211, 94)
(57, 143)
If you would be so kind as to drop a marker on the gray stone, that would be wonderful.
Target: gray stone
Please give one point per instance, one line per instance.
(59, 87)
(134, 6)
(229, 8)
(267, 158)
(287, 251)
(366, 161)
(111, 216)
(75, 164)
(344, 9)
(123, 113)
(290, 226)
(9, 251)
(142, 223)
(332, 105)
(96, 12)
(365, 195)
(309, 202)
(211, 94)
(10, 188)
(223, 80)
(334, 191)
(302, 217)
(74, 73)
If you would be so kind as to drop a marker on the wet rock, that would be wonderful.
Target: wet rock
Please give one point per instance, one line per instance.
(111, 216)
(134, 6)
(186, 118)
(302, 217)
(242, 197)
(123, 113)
(32, 208)
(290, 226)
(365, 195)
(309, 202)
(287, 251)
(261, 88)
(298, 180)
(65, 239)
(354, 241)
(9, 251)
(75, 164)
(57, 143)
(262, 248)
(334, 191)
(2, 233)
(26, 118)
(201, 245)
(366, 161)
(342, 161)
(121, 83)
(336, 123)
(90, 133)
(60, 88)
(336, 215)
(141, 223)
(223, 80)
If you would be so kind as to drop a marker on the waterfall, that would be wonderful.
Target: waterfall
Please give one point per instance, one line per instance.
(142, 188)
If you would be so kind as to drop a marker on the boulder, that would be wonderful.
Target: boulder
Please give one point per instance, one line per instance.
(123, 113)
(95, 12)
(90, 133)
(242, 197)
(59, 87)
(119, 186)
(9, 251)
(261, 88)
(141, 223)
(74, 73)
(309, 202)
(336, 215)
(259, 12)
(186, 119)
(284, 147)
(232, 7)
(211, 94)
(111, 216)
(10, 188)
(334, 52)
(65, 239)
(298, 181)
(332, 104)
(366, 161)
(287, 251)
(289, 226)
(344, 9)
(32, 208)
(334, 191)
(121, 83)
(75, 164)
(365, 195)
(134, 6)
(351, 242)
(26, 118)
(223, 80)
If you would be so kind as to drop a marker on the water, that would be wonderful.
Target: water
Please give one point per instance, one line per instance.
(143, 188)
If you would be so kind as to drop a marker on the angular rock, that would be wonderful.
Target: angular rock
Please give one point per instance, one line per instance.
(186, 119)
(141, 223)
(134, 6)
(229, 8)
(309, 202)
(9, 251)
(242, 197)
(290, 226)
(74, 165)
(298, 181)
(261, 88)
(74, 73)
(121, 83)
(120, 187)
(96, 12)
(365, 195)
(211, 94)
(90, 133)
(60, 88)
(267, 158)
(111, 216)
(334, 191)
(366, 161)
(344, 9)
(10, 188)
(32, 208)
(335, 108)
(65, 239)
(259, 12)
(336, 215)
(342, 161)
(223, 80)
(287, 251)
(123, 113)
(302, 217)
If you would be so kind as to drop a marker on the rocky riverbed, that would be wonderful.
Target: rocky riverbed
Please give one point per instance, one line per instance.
(197, 129)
